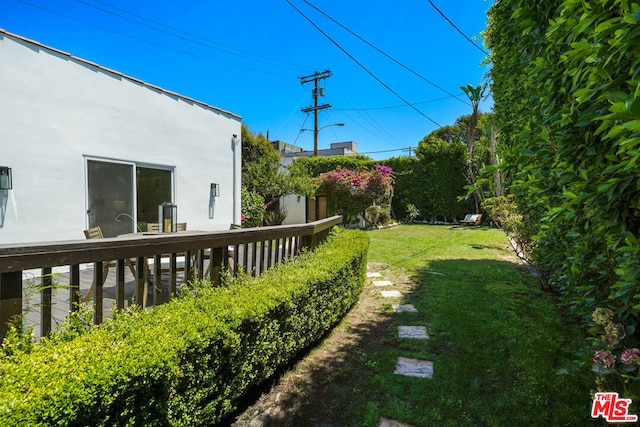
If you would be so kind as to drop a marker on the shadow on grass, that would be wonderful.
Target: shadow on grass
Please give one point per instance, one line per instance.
(499, 342)
(496, 342)
(323, 383)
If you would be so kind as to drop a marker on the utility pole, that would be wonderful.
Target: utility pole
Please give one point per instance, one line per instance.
(315, 77)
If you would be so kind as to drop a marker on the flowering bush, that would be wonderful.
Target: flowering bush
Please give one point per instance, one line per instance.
(350, 193)
(614, 362)
(253, 208)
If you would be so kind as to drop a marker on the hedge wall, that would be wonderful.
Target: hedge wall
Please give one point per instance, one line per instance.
(566, 86)
(186, 363)
(567, 93)
(431, 183)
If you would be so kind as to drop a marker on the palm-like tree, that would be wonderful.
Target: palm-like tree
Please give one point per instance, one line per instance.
(475, 94)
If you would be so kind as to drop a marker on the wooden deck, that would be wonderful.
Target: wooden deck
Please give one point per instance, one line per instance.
(61, 289)
(61, 294)
(31, 285)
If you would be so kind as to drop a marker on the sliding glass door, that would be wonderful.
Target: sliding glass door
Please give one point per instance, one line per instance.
(110, 197)
(153, 188)
(123, 197)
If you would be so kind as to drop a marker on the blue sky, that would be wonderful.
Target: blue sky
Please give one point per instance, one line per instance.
(246, 56)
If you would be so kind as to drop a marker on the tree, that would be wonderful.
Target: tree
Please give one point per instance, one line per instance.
(262, 173)
(475, 94)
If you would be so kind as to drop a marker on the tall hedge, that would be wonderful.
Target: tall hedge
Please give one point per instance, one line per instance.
(409, 185)
(445, 170)
(566, 86)
(187, 362)
(431, 183)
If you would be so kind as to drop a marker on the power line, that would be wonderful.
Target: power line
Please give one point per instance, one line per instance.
(293, 111)
(404, 150)
(373, 124)
(387, 55)
(458, 29)
(363, 67)
(149, 42)
(301, 127)
(392, 106)
(189, 36)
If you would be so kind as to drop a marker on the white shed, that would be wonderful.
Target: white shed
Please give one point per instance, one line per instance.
(87, 146)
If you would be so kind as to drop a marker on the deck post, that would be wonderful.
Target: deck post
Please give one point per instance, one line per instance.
(217, 260)
(45, 301)
(10, 299)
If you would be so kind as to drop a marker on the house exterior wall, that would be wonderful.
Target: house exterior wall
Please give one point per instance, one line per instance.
(57, 111)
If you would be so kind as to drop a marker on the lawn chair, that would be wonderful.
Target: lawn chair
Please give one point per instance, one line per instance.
(471, 220)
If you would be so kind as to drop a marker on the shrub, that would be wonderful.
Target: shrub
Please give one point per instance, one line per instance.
(412, 212)
(252, 208)
(504, 211)
(275, 216)
(350, 193)
(186, 362)
(377, 215)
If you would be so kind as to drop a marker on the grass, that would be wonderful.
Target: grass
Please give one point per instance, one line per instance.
(496, 340)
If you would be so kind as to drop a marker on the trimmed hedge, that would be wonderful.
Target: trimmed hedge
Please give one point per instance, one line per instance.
(185, 363)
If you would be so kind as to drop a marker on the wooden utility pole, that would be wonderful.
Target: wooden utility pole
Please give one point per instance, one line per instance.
(315, 77)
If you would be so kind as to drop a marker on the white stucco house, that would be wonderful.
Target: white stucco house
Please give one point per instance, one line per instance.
(87, 146)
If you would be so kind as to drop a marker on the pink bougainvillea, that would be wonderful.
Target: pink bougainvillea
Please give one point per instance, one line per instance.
(352, 192)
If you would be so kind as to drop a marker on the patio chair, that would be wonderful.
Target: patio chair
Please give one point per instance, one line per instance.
(96, 233)
(154, 227)
(165, 261)
(230, 253)
(471, 219)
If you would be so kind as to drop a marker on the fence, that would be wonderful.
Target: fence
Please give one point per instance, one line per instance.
(180, 256)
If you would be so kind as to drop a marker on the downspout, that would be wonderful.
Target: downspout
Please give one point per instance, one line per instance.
(235, 143)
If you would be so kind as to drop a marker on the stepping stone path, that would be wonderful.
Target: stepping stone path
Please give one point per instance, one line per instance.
(392, 423)
(404, 308)
(382, 283)
(435, 273)
(405, 366)
(414, 332)
(414, 368)
(391, 294)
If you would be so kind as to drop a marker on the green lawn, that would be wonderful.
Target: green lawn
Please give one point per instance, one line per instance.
(496, 340)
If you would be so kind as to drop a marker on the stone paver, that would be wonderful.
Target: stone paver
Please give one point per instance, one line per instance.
(404, 308)
(435, 273)
(391, 294)
(373, 274)
(413, 332)
(385, 422)
(414, 368)
(382, 283)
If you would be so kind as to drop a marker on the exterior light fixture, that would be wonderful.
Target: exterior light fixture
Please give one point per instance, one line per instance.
(215, 190)
(5, 178)
(168, 217)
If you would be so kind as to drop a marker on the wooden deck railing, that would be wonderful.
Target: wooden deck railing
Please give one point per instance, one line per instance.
(198, 254)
